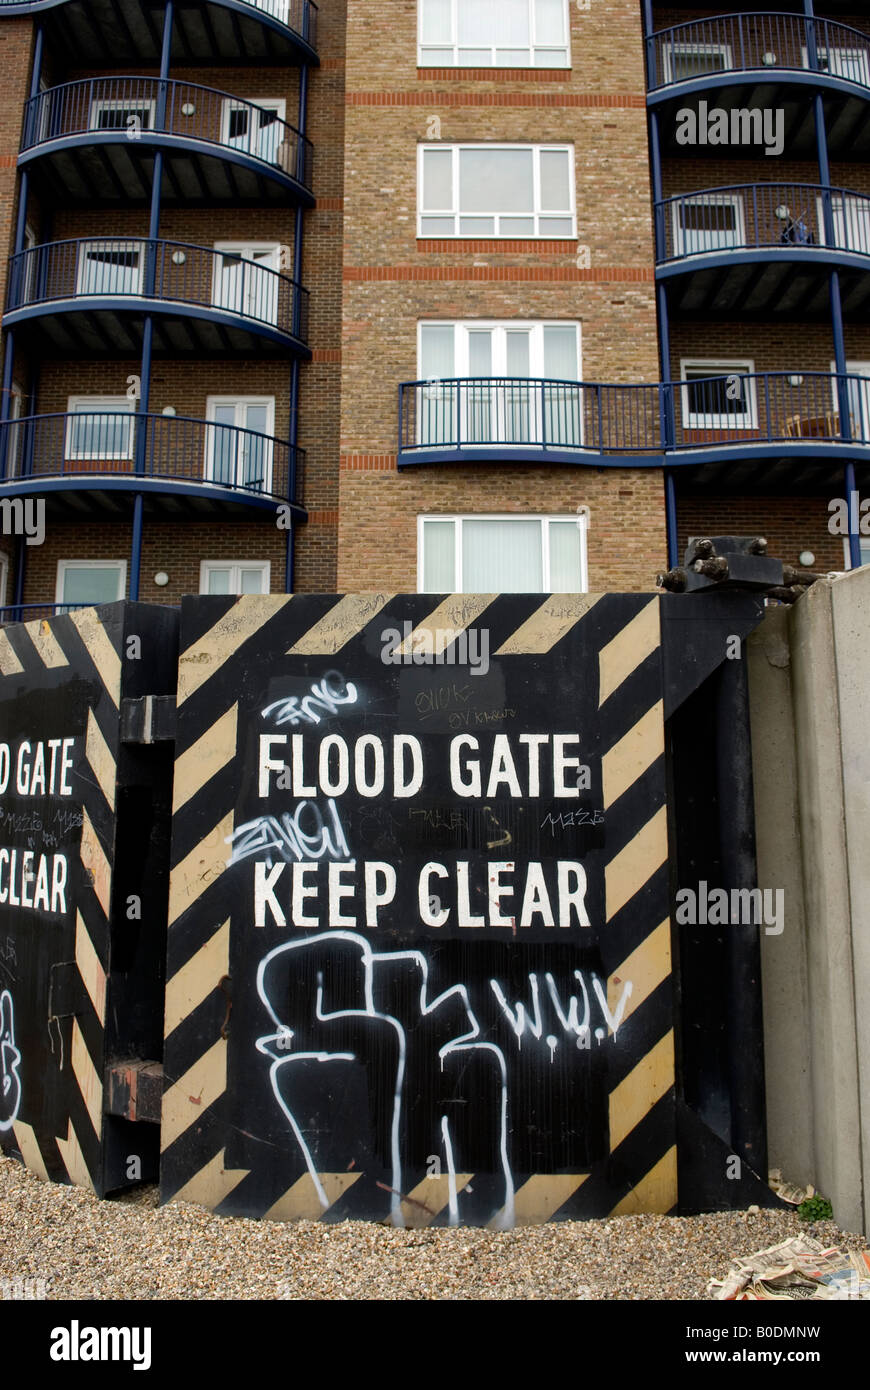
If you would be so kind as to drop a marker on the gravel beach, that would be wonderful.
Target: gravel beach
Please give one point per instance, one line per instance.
(132, 1249)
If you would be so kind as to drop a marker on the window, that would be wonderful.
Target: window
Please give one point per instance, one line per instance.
(686, 60)
(4, 575)
(28, 281)
(851, 217)
(109, 267)
(243, 279)
(14, 440)
(501, 554)
(493, 33)
(718, 395)
(851, 63)
(234, 577)
(711, 222)
(122, 115)
(239, 443)
(90, 581)
(100, 427)
(472, 411)
(859, 399)
(496, 191)
(255, 127)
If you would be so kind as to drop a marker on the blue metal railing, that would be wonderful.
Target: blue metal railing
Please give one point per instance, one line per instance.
(176, 448)
(522, 414)
(300, 16)
(765, 41)
(127, 267)
(134, 107)
(755, 215)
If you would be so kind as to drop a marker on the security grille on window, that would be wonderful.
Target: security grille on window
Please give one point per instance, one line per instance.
(687, 60)
(494, 33)
(708, 223)
(122, 115)
(502, 554)
(109, 267)
(100, 428)
(496, 191)
(718, 395)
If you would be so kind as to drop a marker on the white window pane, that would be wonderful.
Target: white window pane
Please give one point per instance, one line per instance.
(477, 226)
(437, 226)
(219, 581)
(517, 226)
(257, 418)
(477, 21)
(501, 556)
(556, 226)
(225, 414)
(551, 57)
(555, 187)
(437, 57)
(98, 585)
(560, 353)
(475, 57)
(436, 351)
(496, 180)
(437, 180)
(252, 582)
(438, 557)
(436, 21)
(566, 557)
(550, 21)
(518, 354)
(480, 353)
(512, 57)
(513, 23)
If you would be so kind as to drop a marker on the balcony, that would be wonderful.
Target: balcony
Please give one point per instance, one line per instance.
(768, 60)
(92, 143)
(106, 452)
(731, 424)
(762, 251)
(89, 298)
(96, 33)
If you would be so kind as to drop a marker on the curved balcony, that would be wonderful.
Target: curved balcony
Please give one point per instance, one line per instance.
(113, 451)
(770, 60)
(97, 33)
(89, 297)
(764, 250)
(93, 143)
(736, 422)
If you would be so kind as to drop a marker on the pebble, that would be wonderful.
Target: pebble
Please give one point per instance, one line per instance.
(131, 1248)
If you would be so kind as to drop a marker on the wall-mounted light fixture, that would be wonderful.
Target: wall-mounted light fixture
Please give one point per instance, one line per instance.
(178, 258)
(168, 410)
(782, 213)
(188, 109)
(807, 558)
(769, 60)
(795, 381)
(161, 579)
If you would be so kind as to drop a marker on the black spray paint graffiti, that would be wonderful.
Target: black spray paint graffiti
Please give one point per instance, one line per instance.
(10, 1060)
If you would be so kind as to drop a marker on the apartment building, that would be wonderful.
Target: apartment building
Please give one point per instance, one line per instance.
(437, 294)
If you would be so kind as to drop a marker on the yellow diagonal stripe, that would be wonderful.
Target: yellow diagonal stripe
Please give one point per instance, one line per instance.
(9, 663)
(541, 1196)
(635, 752)
(25, 1138)
(627, 650)
(89, 967)
(657, 1192)
(336, 628)
(634, 865)
(247, 615)
(74, 1159)
(211, 1184)
(100, 758)
(88, 1078)
(102, 653)
(301, 1201)
(95, 861)
(548, 624)
(48, 649)
(189, 1098)
(637, 1093)
(450, 618)
(197, 978)
(205, 758)
(429, 1198)
(205, 863)
(647, 966)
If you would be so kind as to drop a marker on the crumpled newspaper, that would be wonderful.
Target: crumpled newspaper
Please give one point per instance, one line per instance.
(788, 1191)
(796, 1269)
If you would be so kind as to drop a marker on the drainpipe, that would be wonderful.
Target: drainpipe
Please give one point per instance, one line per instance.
(290, 557)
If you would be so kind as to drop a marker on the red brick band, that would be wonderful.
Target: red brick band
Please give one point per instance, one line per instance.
(525, 273)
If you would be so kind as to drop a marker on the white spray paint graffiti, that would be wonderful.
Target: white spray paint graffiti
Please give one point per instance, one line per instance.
(288, 839)
(468, 1041)
(325, 698)
(524, 1019)
(10, 1060)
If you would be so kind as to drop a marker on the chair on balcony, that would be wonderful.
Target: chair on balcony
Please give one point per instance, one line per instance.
(813, 427)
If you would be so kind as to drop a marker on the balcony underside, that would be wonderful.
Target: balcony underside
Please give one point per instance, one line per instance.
(827, 459)
(820, 477)
(97, 497)
(767, 283)
(106, 328)
(847, 113)
(105, 169)
(111, 33)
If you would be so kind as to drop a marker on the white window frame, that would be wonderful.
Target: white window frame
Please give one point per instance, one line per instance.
(64, 565)
(840, 208)
(4, 577)
(108, 245)
(556, 56)
(238, 248)
(695, 50)
(462, 328)
(236, 401)
(864, 544)
(717, 367)
(14, 437)
(99, 104)
(230, 104)
(734, 200)
(538, 211)
(580, 518)
(862, 369)
(859, 55)
(264, 566)
(99, 405)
